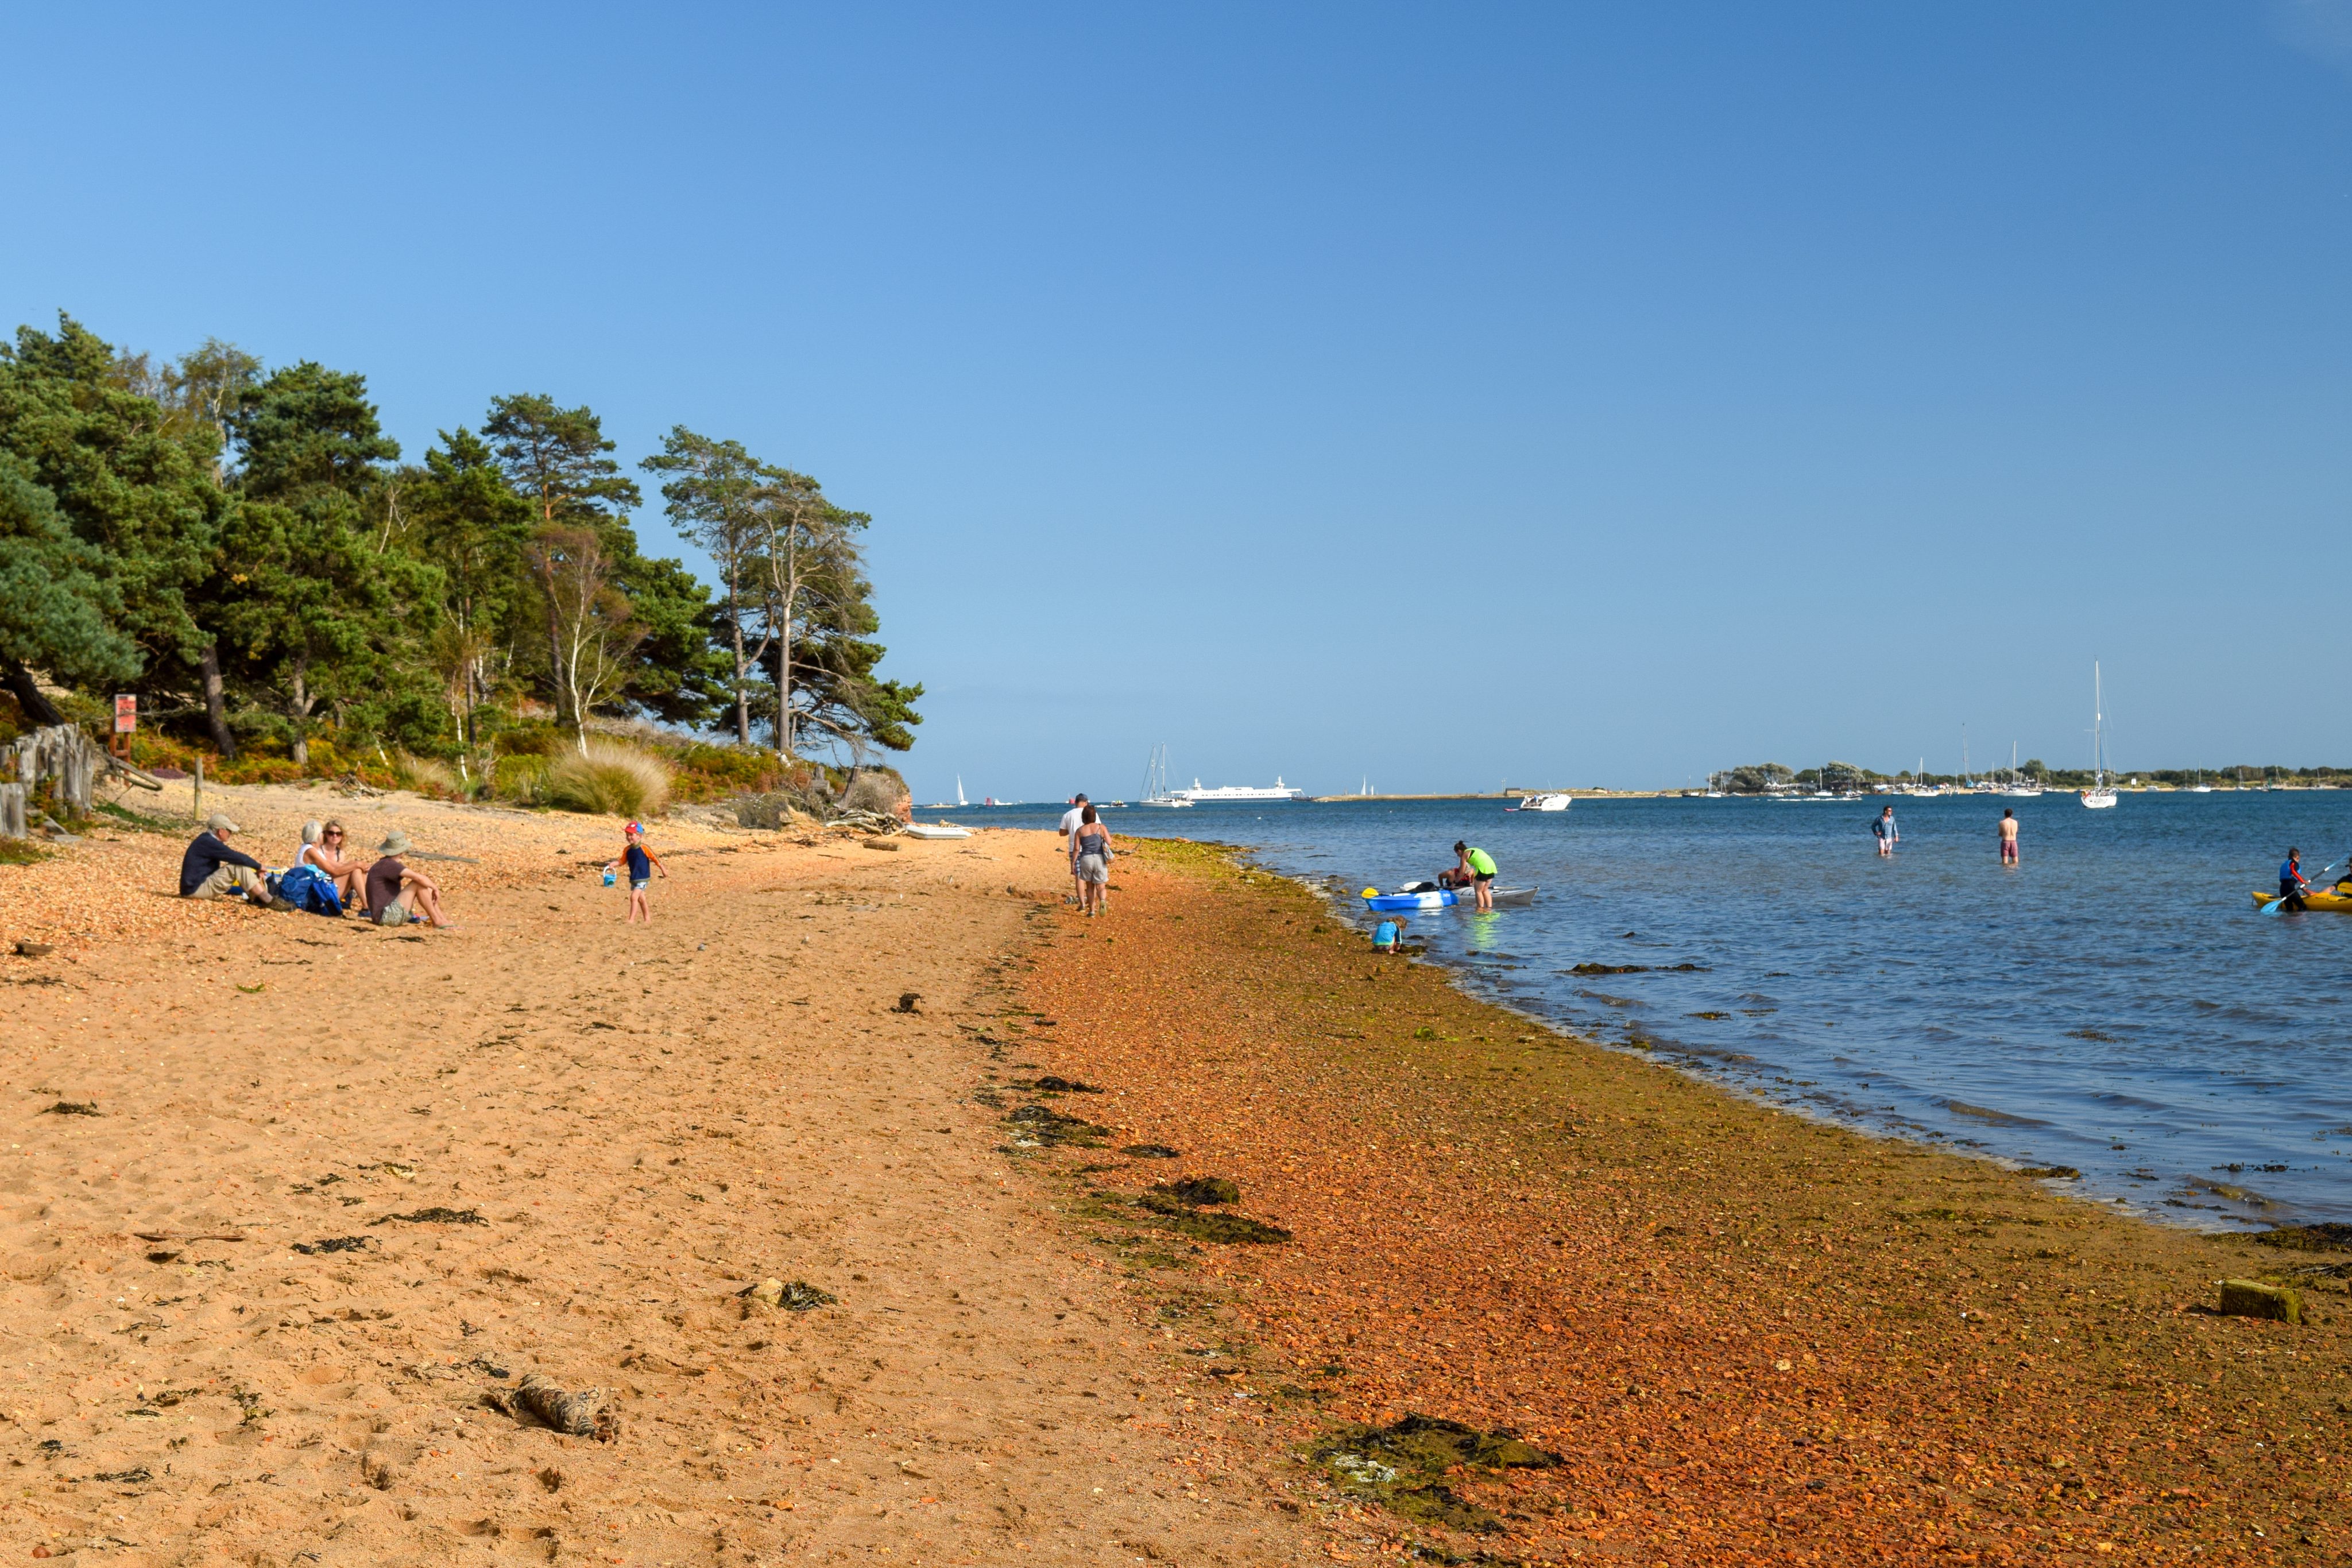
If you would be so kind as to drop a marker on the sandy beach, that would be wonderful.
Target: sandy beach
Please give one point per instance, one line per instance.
(295, 1206)
(226, 1343)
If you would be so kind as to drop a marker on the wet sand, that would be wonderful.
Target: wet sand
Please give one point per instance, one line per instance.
(1751, 1337)
(343, 1186)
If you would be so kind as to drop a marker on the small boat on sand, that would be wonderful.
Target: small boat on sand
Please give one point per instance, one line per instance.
(1429, 895)
(935, 830)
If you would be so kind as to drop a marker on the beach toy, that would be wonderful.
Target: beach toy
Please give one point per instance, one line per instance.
(608, 876)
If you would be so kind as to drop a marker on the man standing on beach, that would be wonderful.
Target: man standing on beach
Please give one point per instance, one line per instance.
(1883, 826)
(2008, 836)
(1071, 819)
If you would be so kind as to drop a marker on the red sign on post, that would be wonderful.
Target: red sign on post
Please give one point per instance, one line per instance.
(126, 715)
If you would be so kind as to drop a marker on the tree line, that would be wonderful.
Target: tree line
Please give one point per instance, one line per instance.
(1773, 777)
(243, 549)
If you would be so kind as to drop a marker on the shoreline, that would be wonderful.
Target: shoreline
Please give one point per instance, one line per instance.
(1755, 1336)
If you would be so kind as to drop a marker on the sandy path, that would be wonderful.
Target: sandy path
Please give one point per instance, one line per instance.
(644, 1123)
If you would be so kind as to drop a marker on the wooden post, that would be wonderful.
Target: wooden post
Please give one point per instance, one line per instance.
(198, 810)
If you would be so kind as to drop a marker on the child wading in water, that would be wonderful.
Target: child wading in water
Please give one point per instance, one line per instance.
(642, 863)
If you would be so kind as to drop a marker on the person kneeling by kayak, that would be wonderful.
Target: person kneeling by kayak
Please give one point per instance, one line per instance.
(1472, 868)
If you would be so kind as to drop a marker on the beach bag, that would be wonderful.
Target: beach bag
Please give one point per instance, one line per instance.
(309, 890)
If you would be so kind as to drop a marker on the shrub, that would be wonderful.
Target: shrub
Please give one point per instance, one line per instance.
(521, 778)
(877, 792)
(611, 780)
(424, 775)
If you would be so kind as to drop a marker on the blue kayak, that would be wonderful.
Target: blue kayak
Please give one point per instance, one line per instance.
(1443, 898)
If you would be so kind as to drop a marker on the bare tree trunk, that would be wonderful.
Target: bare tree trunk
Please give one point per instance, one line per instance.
(556, 679)
(742, 670)
(217, 704)
(302, 747)
(37, 708)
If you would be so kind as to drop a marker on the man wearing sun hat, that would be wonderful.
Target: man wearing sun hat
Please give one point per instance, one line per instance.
(212, 870)
(397, 895)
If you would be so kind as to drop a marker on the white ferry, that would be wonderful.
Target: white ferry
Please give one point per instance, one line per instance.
(1226, 794)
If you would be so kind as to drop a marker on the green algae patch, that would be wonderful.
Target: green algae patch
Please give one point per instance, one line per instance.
(1042, 1127)
(2330, 1236)
(1402, 1467)
(1229, 1229)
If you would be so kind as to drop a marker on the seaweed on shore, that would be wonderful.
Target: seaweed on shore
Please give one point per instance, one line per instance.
(1403, 1466)
(1042, 1127)
(2328, 1236)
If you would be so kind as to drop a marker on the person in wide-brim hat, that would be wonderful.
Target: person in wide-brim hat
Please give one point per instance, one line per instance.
(396, 895)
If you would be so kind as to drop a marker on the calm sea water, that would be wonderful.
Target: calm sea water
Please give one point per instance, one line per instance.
(2114, 1004)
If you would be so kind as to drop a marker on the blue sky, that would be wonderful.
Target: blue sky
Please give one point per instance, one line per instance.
(1442, 395)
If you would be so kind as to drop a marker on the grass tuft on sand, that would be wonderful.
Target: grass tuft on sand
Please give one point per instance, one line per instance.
(611, 780)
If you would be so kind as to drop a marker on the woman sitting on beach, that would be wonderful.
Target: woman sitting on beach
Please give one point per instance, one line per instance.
(323, 847)
(1091, 855)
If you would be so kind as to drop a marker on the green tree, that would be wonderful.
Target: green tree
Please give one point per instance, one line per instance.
(819, 607)
(56, 607)
(313, 608)
(556, 458)
(459, 512)
(714, 495)
(142, 495)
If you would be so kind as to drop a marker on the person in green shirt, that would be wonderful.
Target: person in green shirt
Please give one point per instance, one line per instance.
(1473, 868)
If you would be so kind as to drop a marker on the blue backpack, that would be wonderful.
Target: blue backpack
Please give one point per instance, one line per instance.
(308, 889)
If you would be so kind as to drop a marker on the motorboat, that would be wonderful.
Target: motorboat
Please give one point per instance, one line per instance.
(1549, 800)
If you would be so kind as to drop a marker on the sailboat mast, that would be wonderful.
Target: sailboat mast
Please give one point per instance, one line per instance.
(2098, 720)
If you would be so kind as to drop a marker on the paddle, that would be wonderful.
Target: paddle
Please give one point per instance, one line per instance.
(2273, 906)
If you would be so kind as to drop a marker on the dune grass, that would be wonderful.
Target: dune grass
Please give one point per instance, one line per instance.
(611, 780)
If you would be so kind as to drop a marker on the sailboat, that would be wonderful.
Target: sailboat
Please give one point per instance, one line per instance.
(2200, 787)
(2018, 786)
(1919, 785)
(1155, 780)
(960, 799)
(2099, 796)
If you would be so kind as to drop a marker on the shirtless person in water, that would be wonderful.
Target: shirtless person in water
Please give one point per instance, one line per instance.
(2008, 837)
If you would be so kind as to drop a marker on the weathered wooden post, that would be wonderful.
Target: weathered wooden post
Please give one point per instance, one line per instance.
(199, 808)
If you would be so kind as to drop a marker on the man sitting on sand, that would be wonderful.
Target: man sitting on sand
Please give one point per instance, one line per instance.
(397, 895)
(212, 870)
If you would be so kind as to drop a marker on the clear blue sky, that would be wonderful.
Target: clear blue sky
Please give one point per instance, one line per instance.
(1557, 393)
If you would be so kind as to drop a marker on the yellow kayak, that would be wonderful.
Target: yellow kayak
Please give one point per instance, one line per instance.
(2338, 897)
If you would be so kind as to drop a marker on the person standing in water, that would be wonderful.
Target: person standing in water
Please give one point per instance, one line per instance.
(1473, 868)
(2008, 836)
(1882, 827)
(2292, 885)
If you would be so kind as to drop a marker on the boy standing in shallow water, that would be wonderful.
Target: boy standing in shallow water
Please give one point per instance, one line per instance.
(642, 863)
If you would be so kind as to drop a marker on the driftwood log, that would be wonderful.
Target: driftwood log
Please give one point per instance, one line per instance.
(586, 1414)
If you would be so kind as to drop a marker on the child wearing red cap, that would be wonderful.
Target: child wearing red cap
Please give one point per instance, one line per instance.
(642, 863)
